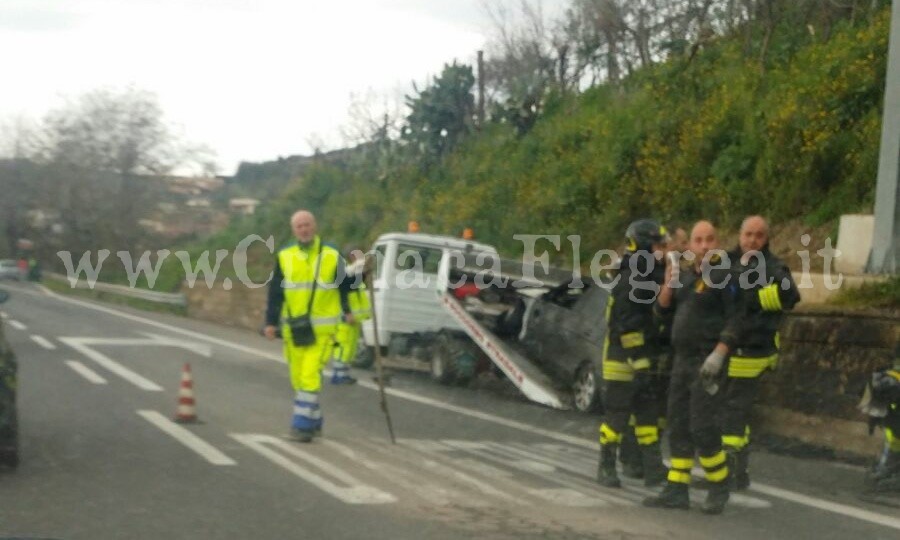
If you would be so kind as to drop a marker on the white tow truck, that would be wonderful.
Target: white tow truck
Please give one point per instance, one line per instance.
(454, 308)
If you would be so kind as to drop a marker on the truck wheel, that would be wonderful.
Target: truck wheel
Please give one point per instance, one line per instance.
(443, 365)
(586, 396)
(365, 357)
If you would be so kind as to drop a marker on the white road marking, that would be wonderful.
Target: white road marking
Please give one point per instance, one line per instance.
(421, 486)
(571, 493)
(352, 492)
(85, 372)
(136, 318)
(207, 451)
(138, 380)
(771, 491)
(17, 325)
(43, 342)
(828, 506)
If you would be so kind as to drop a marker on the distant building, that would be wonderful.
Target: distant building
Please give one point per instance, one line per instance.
(198, 202)
(243, 206)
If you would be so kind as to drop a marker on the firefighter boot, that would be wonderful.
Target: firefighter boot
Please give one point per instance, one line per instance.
(674, 495)
(716, 498)
(654, 471)
(885, 476)
(606, 470)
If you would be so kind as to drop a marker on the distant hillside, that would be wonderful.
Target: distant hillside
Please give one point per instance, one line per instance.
(715, 136)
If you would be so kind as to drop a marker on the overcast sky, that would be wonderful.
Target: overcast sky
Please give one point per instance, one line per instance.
(252, 79)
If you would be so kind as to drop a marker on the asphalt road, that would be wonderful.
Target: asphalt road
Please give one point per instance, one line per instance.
(98, 386)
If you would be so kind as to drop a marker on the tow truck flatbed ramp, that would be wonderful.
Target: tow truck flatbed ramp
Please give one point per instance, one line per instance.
(527, 377)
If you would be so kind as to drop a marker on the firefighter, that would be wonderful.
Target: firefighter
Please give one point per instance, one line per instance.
(308, 294)
(706, 304)
(348, 333)
(769, 290)
(629, 354)
(882, 404)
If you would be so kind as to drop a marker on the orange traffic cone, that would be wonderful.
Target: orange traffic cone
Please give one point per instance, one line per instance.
(186, 411)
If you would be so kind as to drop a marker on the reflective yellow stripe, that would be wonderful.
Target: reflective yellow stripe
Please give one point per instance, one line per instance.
(769, 299)
(678, 477)
(632, 340)
(733, 441)
(714, 461)
(682, 464)
(641, 363)
(892, 440)
(608, 435)
(894, 374)
(740, 367)
(646, 435)
(717, 475)
(614, 370)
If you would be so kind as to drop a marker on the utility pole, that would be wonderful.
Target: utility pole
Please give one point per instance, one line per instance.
(480, 89)
(885, 254)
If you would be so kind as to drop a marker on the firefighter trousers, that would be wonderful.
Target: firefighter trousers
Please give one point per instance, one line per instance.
(693, 424)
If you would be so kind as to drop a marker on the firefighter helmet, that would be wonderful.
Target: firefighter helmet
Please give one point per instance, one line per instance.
(643, 233)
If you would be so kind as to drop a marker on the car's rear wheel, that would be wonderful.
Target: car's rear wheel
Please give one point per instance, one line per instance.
(585, 389)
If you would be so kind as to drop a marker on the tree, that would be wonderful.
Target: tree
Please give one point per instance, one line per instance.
(98, 152)
(441, 114)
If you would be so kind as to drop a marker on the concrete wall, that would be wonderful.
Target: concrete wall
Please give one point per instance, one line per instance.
(240, 306)
(827, 356)
(854, 242)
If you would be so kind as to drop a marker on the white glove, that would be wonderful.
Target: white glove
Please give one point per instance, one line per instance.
(713, 364)
(673, 267)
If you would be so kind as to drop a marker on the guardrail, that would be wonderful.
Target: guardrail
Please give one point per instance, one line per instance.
(176, 299)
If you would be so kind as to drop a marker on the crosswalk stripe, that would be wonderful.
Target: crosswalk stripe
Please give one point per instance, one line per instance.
(614, 496)
(438, 464)
(502, 479)
(572, 492)
(423, 486)
(352, 492)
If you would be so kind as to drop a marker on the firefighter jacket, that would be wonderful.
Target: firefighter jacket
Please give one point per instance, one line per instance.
(630, 320)
(768, 290)
(707, 309)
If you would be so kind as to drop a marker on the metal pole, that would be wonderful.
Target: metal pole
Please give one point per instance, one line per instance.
(480, 89)
(885, 254)
(379, 365)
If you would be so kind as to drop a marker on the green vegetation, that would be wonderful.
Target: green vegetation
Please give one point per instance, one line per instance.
(792, 131)
(879, 294)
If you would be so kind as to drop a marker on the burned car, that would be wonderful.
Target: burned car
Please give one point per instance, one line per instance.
(546, 335)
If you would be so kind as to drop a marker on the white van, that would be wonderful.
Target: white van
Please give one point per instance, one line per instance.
(405, 282)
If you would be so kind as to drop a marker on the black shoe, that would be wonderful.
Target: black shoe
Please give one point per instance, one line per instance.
(606, 469)
(673, 496)
(655, 472)
(716, 498)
